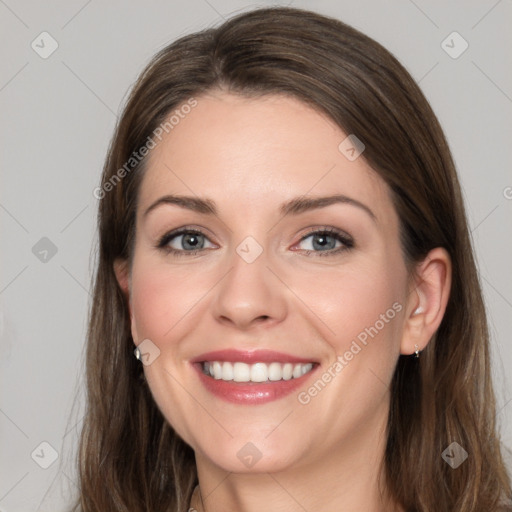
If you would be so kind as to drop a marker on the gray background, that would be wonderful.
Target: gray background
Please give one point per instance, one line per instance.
(57, 116)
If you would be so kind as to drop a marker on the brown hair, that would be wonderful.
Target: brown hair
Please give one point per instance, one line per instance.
(130, 459)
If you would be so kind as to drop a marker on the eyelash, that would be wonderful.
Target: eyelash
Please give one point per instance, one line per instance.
(346, 240)
(162, 244)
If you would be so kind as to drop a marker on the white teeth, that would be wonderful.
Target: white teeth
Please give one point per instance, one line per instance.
(287, 371)
(275, 371)
(227, 371)
(306, 368)
(297, 371)
(241, 372)
(258, 372)
(217, 370)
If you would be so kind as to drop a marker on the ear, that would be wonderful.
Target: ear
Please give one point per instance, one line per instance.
(426, 304)
(122, 271)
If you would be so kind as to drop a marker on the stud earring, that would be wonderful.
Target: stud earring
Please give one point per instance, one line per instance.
(416, 351)
(418, 310)
(137, 353)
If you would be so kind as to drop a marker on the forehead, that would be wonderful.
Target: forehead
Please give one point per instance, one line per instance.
(257, 151)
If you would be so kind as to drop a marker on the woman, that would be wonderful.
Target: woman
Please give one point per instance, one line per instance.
(284, 244)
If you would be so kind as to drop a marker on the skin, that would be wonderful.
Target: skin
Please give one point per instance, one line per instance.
(250, 156)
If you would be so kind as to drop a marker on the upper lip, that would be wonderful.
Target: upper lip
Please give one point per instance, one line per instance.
(250, 357)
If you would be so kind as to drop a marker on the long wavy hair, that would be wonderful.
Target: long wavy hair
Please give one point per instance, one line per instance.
(130, 459)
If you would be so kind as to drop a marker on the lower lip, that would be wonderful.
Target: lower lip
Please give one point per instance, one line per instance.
(251, 393)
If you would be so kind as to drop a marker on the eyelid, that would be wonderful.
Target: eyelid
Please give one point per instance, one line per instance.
(346, 241)
(330, 230)
(326, 229)
(165, 239)
(344, 238)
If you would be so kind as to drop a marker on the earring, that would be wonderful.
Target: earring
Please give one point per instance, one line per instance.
(418, 310)
(137, 353)
(416, 351)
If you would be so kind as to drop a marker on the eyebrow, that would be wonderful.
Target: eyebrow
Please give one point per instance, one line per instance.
(294, 206)
(302, 204)
(206, 206)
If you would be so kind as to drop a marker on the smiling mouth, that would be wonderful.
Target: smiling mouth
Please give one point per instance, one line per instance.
(257, 372)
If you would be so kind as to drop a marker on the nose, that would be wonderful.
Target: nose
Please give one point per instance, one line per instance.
(250, 294)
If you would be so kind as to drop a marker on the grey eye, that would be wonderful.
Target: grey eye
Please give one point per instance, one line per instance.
(187, 241)
(320, 242)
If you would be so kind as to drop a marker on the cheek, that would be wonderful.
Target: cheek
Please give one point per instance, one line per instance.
(162, 299)
(361, 303)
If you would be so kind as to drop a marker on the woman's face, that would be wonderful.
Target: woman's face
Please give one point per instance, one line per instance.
(259, 236)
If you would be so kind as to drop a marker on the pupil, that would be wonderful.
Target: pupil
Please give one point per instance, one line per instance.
(320, 242)
(191, 241)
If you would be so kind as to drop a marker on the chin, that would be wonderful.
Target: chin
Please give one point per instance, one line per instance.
(251, 461)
